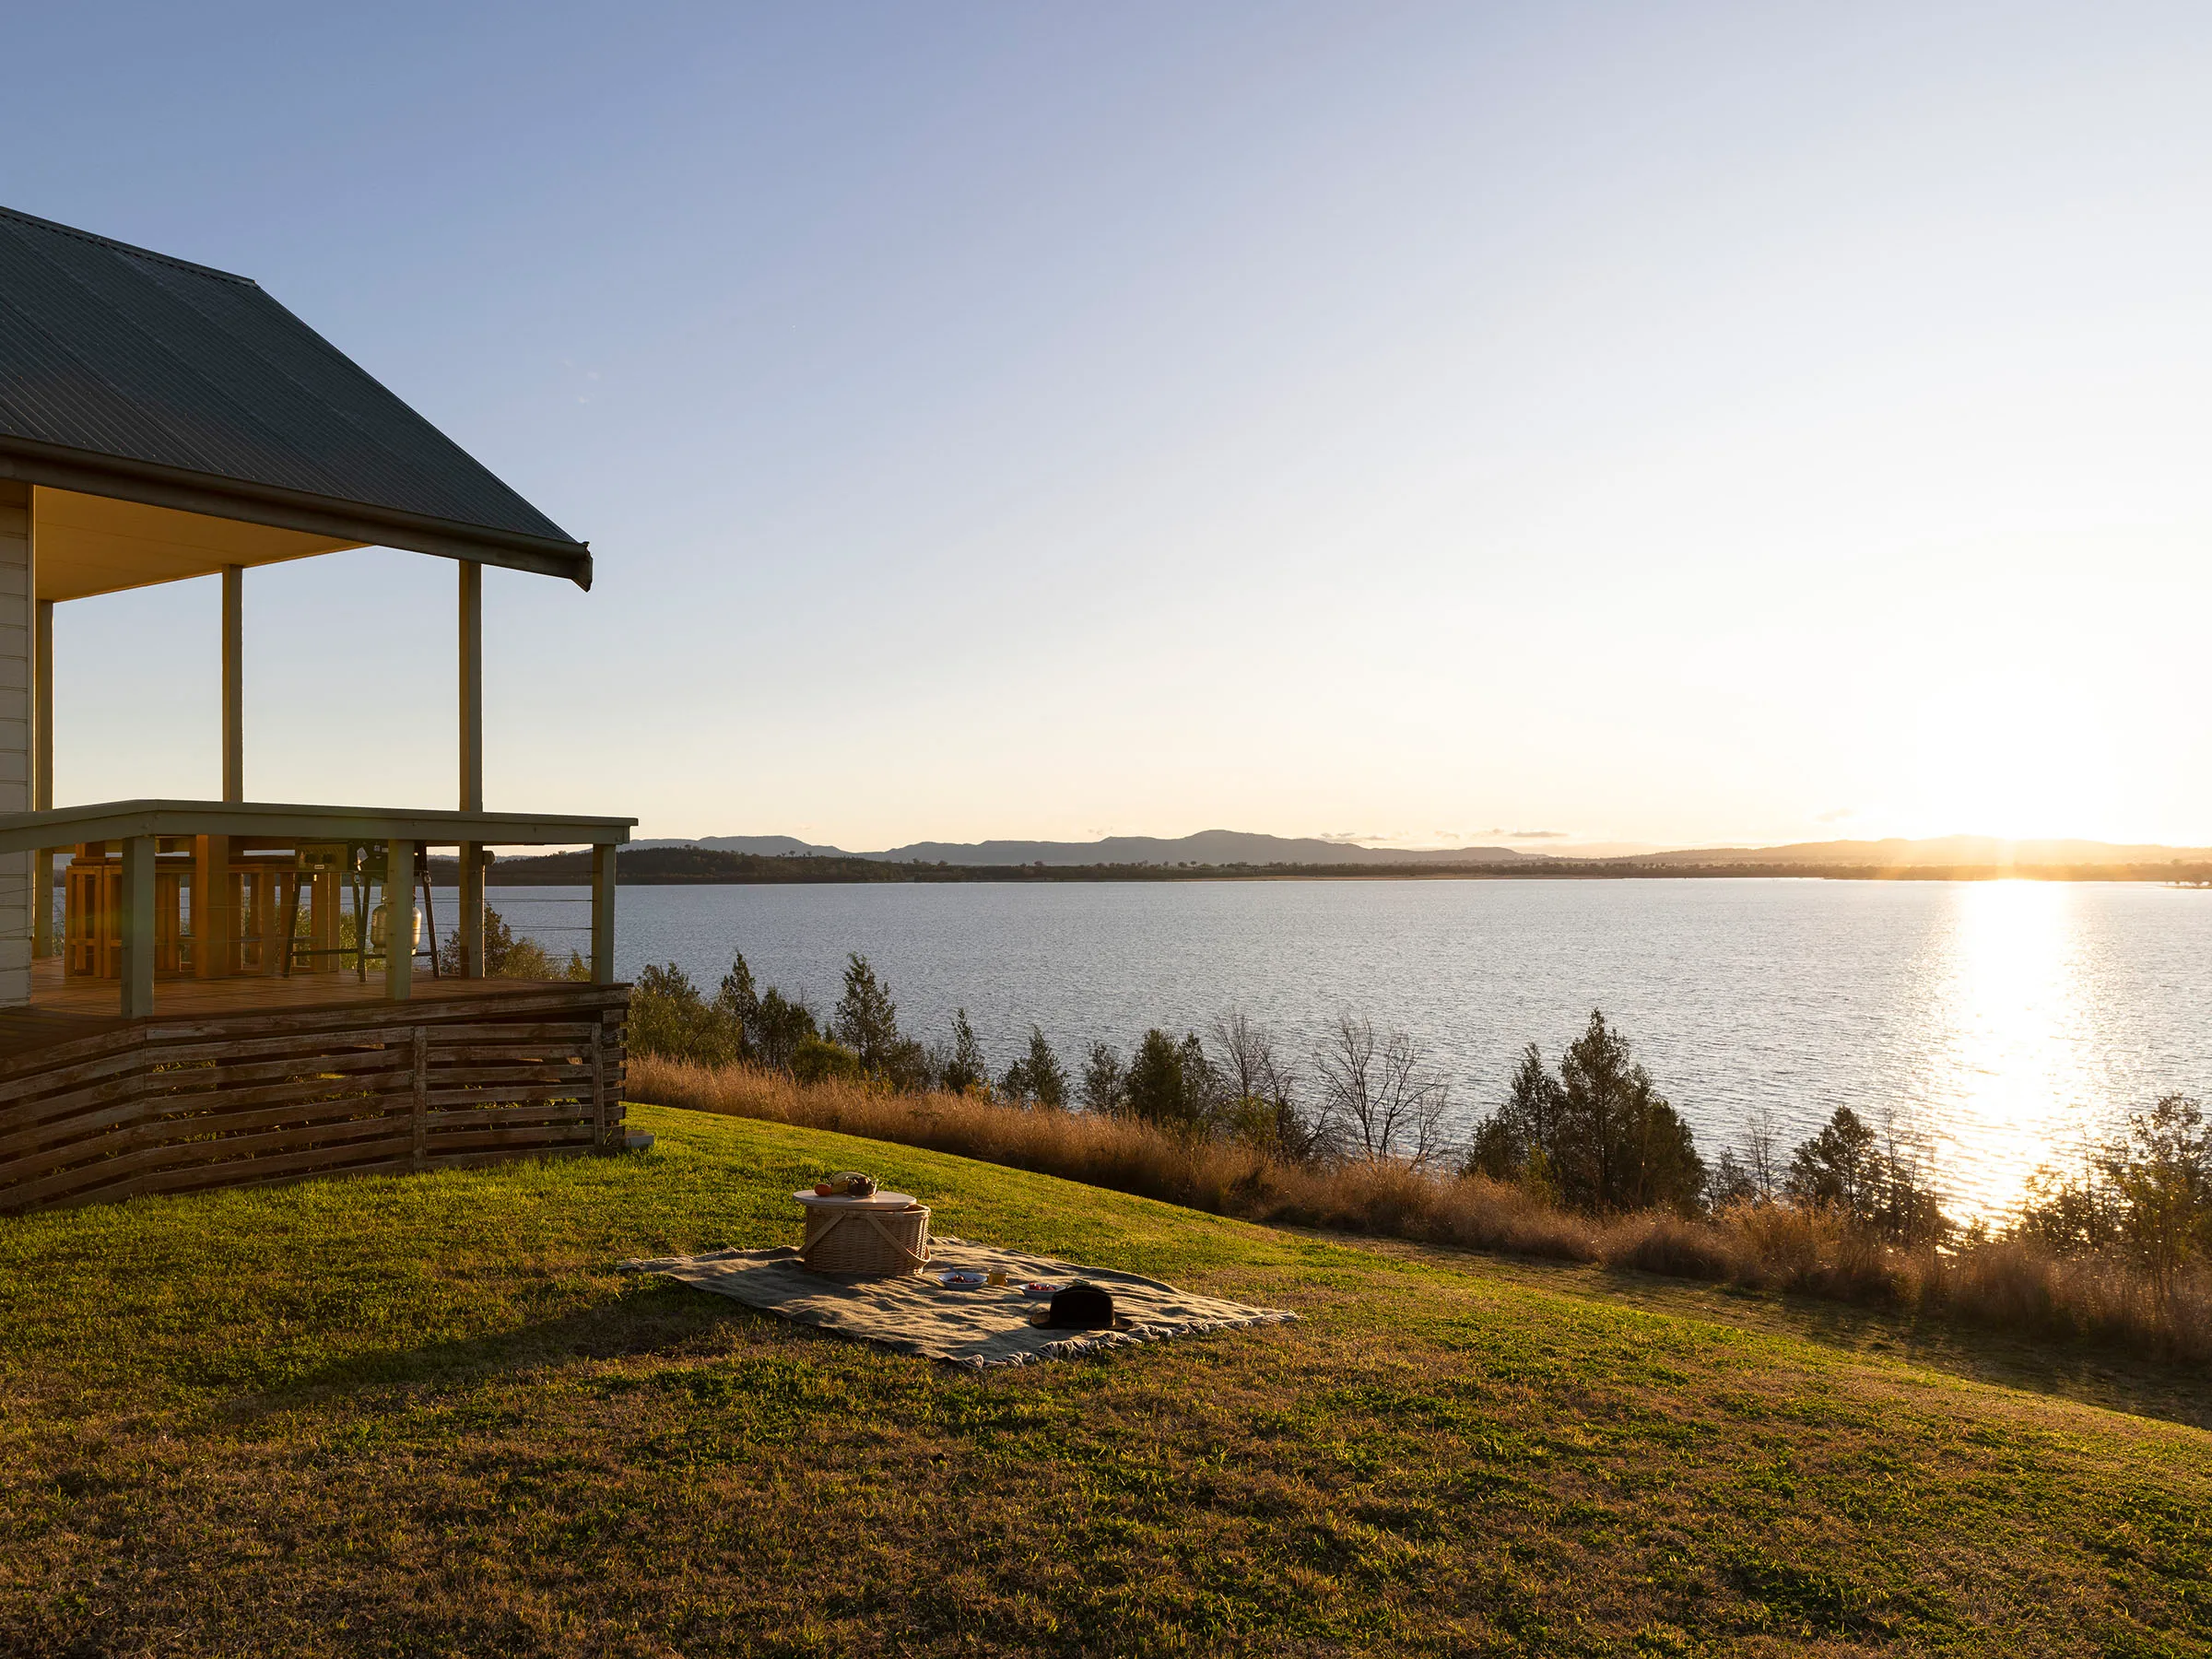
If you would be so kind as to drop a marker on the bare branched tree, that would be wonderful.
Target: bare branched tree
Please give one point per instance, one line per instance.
(1391, 1104)
(1763, 1153)
(1263, 1092)
(1247, 1057)
(1751, 1172)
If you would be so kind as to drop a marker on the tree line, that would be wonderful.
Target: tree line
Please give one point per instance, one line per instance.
(1590, 1132)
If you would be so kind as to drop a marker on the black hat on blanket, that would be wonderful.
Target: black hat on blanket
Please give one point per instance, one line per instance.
(1083, 1306)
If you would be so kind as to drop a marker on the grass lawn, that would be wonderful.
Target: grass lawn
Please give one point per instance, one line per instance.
(425, 1416)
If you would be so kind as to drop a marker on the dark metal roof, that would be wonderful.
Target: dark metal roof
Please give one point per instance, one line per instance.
(128, 373)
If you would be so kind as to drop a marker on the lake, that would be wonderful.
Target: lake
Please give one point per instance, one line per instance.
(2000, 1020)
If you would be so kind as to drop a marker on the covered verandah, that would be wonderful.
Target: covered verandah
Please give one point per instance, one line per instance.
(236, 991)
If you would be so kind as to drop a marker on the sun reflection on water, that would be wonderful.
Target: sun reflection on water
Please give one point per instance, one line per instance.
(2012, 1066)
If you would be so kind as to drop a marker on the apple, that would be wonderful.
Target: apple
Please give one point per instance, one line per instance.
(822, 1189)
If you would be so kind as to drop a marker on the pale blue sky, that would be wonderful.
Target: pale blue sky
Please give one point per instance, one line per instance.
(1659, 424)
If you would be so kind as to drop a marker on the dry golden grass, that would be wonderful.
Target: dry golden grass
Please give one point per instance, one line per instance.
(2007, 1285)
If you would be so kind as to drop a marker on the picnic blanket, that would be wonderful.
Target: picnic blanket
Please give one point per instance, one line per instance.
(914, 1314)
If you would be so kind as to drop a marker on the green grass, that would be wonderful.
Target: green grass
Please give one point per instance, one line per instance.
(426, 1416)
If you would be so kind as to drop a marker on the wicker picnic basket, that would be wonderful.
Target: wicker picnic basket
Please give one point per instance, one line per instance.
(866, 1242)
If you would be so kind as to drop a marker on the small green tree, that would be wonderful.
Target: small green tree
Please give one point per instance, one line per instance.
(1037, 1076)
(2069, 1214)
(1598, 1135)
(505, 955)
(2161, 1177)
(663, 1005)
(1170, 1084)
(1839, 1166)
(668, 1017)
(779, 1027)
(739, 1003)
(1105, 1084)
(964, 1071)
(908, 1067)
(1847, 1167)
(866, 1020)
(815, 1060)
(1622, 1145)
(1524, 1134)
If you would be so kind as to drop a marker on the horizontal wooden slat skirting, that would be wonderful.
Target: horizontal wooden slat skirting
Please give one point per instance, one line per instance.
(165, 1105)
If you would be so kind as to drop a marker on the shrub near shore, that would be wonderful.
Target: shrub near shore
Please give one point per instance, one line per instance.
(1587, 1165)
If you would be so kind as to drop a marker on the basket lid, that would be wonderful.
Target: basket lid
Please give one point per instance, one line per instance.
(878, 1201)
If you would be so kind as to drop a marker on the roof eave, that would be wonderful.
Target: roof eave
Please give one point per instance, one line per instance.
(32, 462)
(118, 820)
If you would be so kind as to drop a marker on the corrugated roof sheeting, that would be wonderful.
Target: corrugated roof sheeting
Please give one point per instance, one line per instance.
(120, 352)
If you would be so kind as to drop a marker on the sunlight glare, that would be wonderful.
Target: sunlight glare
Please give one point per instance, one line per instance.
(2013, 1041)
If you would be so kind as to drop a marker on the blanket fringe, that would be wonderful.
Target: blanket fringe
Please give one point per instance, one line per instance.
(1085, 1343)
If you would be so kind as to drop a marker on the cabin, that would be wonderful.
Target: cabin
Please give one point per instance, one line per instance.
(231, 990)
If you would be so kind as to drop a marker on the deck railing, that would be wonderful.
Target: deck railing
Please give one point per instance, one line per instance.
(139, 828)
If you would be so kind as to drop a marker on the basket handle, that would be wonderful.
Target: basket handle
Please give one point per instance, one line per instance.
(882, 1232)
(836, 1219)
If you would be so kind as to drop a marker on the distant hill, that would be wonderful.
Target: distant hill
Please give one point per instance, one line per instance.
(1947, 850)
(1209, 847)
(771, 846)
(1212, 847)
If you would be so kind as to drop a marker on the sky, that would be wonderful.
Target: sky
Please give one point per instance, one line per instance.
(1429, 424)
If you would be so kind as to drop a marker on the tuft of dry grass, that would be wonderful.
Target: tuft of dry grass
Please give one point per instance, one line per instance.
(2008, 1285)
(1669, 1245)
(1784, 1247)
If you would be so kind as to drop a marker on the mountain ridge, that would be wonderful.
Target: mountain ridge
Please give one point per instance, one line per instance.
(1230, 848)
(1235, 848)
(1211, 847)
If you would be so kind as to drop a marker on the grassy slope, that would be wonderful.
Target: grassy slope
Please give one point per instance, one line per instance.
(423, 1416)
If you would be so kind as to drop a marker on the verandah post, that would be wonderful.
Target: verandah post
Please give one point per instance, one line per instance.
(138, 926)
(471, 764)
(399, 920)
(214, 915)
(234, 683)
(472, 910)
(603, 915)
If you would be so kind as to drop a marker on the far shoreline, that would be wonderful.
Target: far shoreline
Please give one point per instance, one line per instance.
(662, 866)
